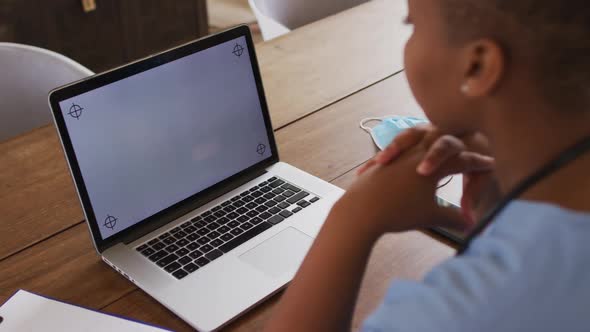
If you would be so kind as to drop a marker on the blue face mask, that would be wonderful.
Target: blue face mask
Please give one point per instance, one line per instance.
(385, 132)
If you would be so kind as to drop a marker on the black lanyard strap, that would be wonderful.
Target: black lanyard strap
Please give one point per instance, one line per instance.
(563, 159)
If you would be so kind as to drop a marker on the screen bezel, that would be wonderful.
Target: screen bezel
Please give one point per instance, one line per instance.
(100, 80)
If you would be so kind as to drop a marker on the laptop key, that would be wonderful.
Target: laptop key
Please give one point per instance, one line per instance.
(274, 210)
(235, 198)
(210, 219)
(277, 183)
(276, 219)
(242, 210)
(288, 193)
(169, 240)
(217, 208)
(248, 199)
(182, 252)
(284, 205)
(315, 199)
(158, 246)
(223, 229)
(243, 218)
(266, 189)
(239, 204)
(269, 196)
(213, 226)
(251, 205)
(260, 200)
(180, 235)
(233, 224)
(185, 260)
(280, 198)
(186, 224)
(202, 261)
(216, 242)
(220, 214)
(190, 229)
(226, 203)
(191, 267)
(175, 230)
(192, 237)
(236, 231)
(278, 191)
(261, 208)
(252, 213)
(227, 247)
(286, 214)
(292, 188)
(192, 246)
(200, 224)
(182, 242)
(165, 235)
(270, 203)
(215, 254)
(223, 220)
(229, 208)
(297, 197)
(272, 179)
(233, 215)
(203, 231)
(167, 260)
(255, 221)
(180, 274)
(206, 248)
(206, 214)
(257, 194)
(297, 209)
(158, 255)
(152, 242)
(226, 237)
(213, 235)
(303, 203)
(263, 183)
(195, 254)
(172, 267)
(148, 252)
(203, 240)
(265, 215)
(246, 226)
(141, 247)
(196, 219)
(172, 248)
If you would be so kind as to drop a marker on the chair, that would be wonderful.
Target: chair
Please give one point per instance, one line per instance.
(278, 17)
(28, 74)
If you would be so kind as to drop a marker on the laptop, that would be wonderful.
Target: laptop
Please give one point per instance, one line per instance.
(178, 173)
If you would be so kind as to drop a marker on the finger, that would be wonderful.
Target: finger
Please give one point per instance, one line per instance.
(366, 167)
(466, 162)
(404, 141)
(443, 149)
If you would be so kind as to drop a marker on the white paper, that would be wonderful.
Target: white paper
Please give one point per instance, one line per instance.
(27, 312)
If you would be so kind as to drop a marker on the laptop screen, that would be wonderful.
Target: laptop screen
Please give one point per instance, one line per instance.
(149, 141)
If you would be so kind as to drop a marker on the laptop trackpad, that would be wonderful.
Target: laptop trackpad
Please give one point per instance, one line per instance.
(281, 254)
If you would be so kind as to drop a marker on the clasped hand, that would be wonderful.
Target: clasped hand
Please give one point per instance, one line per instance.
(396, 191)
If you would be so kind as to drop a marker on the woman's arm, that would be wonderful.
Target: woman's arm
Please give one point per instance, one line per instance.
(323, 294)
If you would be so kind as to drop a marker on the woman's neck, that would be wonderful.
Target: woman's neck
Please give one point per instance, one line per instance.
(523, 141)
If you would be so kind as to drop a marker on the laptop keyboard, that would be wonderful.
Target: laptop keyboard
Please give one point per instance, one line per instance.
(192, 245)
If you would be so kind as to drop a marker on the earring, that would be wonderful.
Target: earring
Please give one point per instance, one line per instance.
(465, 88)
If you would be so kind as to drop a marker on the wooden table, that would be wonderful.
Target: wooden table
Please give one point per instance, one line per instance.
(320, 81)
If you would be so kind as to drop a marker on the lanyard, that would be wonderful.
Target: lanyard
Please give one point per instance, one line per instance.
(563, 159)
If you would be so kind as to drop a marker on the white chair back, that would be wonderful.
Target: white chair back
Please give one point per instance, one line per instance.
(278, 17)
(28, 74)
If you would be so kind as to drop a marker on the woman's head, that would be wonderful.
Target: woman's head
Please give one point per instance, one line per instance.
(466, 55)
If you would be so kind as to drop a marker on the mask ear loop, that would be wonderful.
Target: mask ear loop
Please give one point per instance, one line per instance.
(363, 123)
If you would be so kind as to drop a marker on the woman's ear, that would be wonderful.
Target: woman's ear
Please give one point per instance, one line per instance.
(484, 63)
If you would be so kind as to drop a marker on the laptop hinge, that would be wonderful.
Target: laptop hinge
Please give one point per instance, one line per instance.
(189, 207)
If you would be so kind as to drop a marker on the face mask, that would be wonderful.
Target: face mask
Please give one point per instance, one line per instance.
(385, 132)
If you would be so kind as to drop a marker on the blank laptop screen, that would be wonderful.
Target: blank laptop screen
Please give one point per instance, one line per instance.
(154, 139)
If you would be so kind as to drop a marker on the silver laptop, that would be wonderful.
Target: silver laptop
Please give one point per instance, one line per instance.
(178, 173)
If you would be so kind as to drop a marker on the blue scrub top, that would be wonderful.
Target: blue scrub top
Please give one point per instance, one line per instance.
(530, 271)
